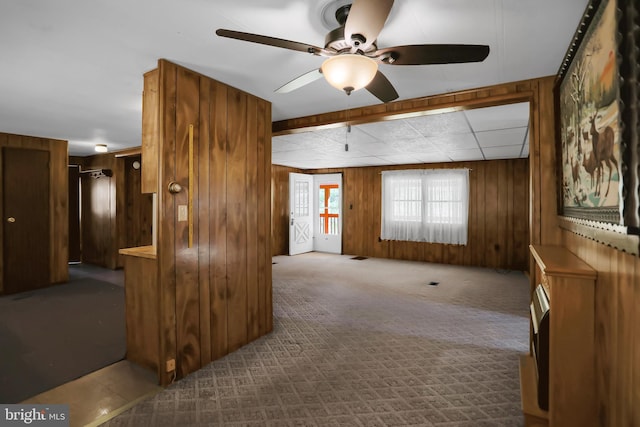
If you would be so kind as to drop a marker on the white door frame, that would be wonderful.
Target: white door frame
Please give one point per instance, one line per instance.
(331, 243)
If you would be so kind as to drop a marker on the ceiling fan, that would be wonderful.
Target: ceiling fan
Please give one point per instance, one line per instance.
(353, 56)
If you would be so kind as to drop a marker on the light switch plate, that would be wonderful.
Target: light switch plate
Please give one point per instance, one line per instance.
(183, 213)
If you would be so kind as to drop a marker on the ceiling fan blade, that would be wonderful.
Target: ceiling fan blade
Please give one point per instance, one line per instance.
(366, 17)
(381, 88)
(300, 81)
(433, 54)
(273, 41)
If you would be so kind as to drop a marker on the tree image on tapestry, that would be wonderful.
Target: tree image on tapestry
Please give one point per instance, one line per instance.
(589, 119)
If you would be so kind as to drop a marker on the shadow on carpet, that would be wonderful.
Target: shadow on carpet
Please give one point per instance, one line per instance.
(54, 335)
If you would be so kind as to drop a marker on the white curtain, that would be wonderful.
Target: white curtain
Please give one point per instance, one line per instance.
(426, 205)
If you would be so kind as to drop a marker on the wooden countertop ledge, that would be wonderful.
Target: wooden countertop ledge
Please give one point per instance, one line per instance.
(140, 251)
(558, 261)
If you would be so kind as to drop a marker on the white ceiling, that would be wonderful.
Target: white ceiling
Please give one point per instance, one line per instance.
(72, 69)
(480, 134)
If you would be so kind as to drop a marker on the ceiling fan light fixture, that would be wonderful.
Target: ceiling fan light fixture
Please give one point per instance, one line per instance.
(349, 71)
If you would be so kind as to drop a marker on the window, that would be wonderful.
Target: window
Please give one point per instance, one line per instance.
(428, 205)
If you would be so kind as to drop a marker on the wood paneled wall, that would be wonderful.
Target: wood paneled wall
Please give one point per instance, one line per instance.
(58, 200)
(498, 215)
(100, 226)
(280, 208)
(617, 330)
(215, 295)
(138, 207)
(115, 213)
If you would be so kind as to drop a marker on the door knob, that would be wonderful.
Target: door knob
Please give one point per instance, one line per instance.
(11, 219)
(174, 188)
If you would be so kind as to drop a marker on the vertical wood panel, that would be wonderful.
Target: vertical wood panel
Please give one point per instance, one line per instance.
(623, 271)
(218, 220)
(186, 259)
(201, 154)
(266, 214)
(166, 215)
(481, 241)
(141, 313)
(251, 209)
(361, 188)
(491, 214)
(472, 232)
(263, 201)
(503, 214)
(150, 129)
(520, 212)
(237, 214)
(59, 208)
(545, 126)
(616, 334)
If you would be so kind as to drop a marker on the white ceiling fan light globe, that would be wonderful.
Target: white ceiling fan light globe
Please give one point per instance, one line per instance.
(349, 72)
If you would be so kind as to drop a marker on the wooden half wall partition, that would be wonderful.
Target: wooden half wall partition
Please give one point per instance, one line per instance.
(212, 144)
(541, 198)
(56, 247)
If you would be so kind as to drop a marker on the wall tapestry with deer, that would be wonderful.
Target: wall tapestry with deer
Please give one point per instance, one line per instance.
(597, 120)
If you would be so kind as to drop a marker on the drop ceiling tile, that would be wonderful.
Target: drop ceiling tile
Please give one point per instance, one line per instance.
(389, 130)
(454, 142)
(415, 145)
(368, 161)
(373, 148)
(302, 155)
(440, 124)
(465, 155)
(433, 157)
(341, 135)
(296, 141)
(504, 152)
(402, 159)
(498, 138)
(500, 117)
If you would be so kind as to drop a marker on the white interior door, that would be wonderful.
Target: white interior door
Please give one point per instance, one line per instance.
(328, 217)
(301, 208)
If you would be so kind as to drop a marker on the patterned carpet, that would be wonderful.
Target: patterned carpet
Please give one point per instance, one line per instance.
(365, 343)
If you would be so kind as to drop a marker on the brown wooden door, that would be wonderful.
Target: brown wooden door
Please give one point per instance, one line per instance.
(25, 216)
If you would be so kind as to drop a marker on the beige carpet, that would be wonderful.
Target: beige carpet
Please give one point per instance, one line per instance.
(366, 343)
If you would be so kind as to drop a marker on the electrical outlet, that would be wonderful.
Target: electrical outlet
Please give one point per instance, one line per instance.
(171, 365)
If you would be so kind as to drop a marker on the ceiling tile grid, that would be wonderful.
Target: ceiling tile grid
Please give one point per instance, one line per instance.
(480, 134)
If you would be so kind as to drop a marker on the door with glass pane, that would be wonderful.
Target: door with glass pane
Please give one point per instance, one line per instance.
(301, 208)
(328, 221)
